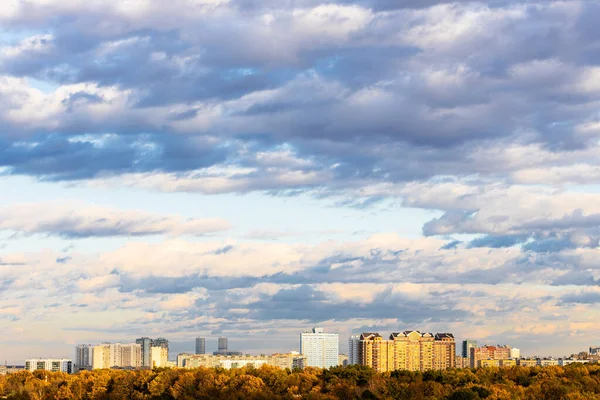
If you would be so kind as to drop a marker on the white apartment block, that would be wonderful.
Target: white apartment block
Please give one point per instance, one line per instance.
(109, 355)
(515, 353)
(320, 349)
(49, 364)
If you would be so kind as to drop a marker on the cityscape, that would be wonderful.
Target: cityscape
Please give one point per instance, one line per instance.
(300, 199)
(406, 350)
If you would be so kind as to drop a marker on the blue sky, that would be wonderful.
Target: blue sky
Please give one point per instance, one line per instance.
(246, 168)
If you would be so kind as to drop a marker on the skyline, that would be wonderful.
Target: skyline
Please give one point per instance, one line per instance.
(250, 169)
(178, 348)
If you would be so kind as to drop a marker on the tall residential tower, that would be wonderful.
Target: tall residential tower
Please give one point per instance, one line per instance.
(320, 349)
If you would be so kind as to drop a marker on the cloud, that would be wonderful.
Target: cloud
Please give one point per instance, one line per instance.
(289, 75)
(79, 220)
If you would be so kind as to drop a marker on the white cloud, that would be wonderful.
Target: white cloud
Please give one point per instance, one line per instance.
(79, 220)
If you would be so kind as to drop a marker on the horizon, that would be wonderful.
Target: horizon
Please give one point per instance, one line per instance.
(249, 169)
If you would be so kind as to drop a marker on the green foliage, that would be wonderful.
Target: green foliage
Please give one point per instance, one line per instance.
(574, 382)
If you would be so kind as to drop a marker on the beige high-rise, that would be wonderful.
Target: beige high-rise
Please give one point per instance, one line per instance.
(409, 350)
(376, 352)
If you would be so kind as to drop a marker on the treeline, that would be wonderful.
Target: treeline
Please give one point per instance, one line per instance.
(574, 382)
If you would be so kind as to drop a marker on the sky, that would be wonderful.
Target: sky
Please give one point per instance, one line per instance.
(252, 169)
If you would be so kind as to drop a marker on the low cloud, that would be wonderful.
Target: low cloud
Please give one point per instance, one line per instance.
(79, 220)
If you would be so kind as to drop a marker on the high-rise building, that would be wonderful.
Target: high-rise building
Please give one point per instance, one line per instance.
(444, 351)
(200, 345)
(117, 355)
(146, 344)
(222, 345)
(409, 350)
(83, 357)
(488, 353)
(515, 353)
(159, 356)
(467, 345)
(161, 342)
(413, 350)
(49, 364)
(353, 349)
(376, 352)
(321, 349)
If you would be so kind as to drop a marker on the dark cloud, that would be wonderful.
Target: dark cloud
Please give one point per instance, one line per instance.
(497, 241)
(57, 157)
(306, 303)
(582, 298)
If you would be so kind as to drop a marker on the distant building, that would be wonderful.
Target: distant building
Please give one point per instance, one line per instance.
(353, 342)
(444, 351)
(528, 362)
(342, 360)
(488, 353)
(376, 352)
(488, 363)
(290, 361)
(159, 356)
(200, 345)
(567, 361)
(222, 345)
(595, 351)
(161, 342)
(408, 350)
(508, 363)
(467, 345)
(321, 349)
(546, 362)
(515, 353)
(117, 355)
(49, 364)
(146, 344)
(223, 349)
(83, 357)
(461, 362)
(11, 369)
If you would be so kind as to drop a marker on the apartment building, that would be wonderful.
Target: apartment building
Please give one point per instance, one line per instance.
(409, 350)
(49, 364)
(320, 348)
(116, 355)
(291, 361)
(488, 353)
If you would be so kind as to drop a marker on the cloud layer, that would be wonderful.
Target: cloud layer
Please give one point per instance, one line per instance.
(479, 117)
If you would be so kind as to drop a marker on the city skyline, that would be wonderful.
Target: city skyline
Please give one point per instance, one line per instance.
(343, 348)
(251, 169)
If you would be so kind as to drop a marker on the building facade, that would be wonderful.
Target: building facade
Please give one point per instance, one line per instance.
(408, 350)
(467, 345)
(444, 351)
(49, 364)
(376, 352)
(11, 369)
(321, 349)
(515, 353)
(159, 356)
(145, 345)
(488, 353)
(290, 361)
(200, 345)
(353, 349)
(222, 345)
(83, 357)
(117, 355)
